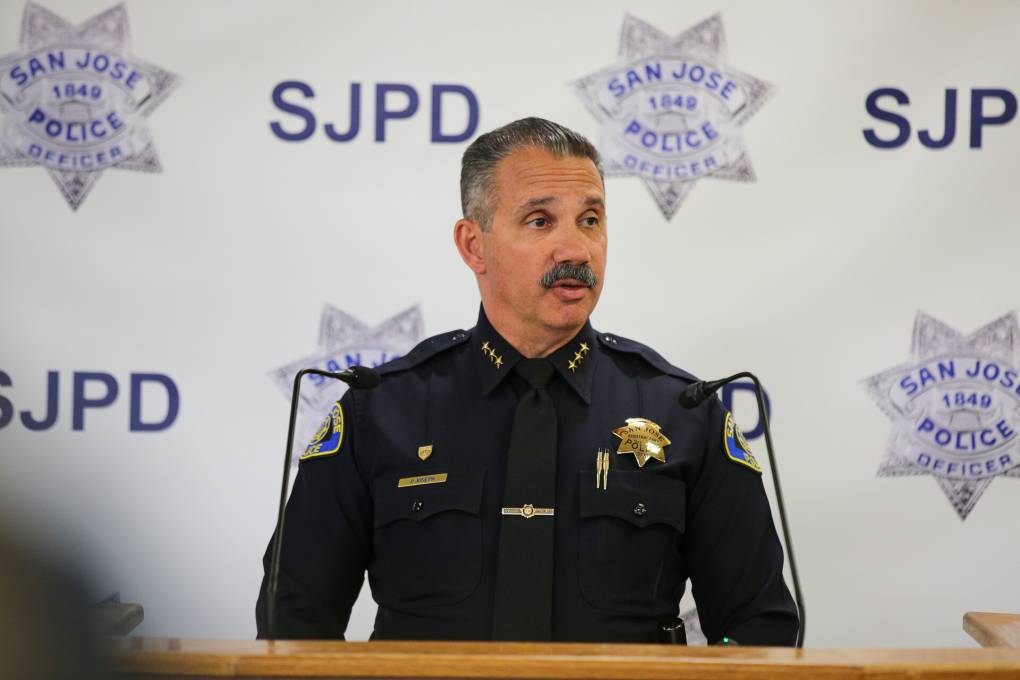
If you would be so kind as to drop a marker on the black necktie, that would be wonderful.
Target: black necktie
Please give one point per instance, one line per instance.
(523, 605)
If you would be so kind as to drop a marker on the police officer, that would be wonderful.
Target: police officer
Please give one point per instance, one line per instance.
(531, 478)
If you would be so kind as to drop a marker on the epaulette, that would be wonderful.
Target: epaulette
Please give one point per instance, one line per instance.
(423, 351)
(620, 344)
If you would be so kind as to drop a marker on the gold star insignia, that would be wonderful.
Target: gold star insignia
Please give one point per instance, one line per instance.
(490, 351)
(578, 357)
(644, 439)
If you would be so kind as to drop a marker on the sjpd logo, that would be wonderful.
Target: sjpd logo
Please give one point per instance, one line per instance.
(671, 109)
(75, 102)
(344, 341)
(955, 408)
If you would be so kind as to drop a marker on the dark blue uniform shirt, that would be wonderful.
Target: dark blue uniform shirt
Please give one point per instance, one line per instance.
(623, 554)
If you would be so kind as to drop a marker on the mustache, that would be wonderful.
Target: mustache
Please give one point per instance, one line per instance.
(564, 270)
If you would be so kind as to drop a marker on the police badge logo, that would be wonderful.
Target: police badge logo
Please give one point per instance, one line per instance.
(75, 101)
(736, 446)
(330, 436)
(644, 439)
(955, 408)
(671, 110)
(344, 341)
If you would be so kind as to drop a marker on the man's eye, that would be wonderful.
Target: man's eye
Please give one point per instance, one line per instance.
(591, 221)
(538, 222)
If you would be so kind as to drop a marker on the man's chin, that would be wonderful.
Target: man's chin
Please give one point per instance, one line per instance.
(568, 314)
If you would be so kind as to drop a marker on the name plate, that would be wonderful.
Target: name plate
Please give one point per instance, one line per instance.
(421, 480)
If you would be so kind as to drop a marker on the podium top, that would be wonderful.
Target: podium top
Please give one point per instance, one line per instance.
(993, 630)
(554, 661)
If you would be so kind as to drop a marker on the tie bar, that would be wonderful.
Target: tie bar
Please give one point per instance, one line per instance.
(528, 511)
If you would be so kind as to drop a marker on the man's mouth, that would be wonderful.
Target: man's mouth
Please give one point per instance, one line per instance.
(569, 290)
(570, 283)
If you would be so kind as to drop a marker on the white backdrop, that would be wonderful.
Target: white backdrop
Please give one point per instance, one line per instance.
(216, 272)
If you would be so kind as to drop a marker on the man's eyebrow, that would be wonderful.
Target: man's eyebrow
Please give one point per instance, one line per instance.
(536, 203)
(590, 201)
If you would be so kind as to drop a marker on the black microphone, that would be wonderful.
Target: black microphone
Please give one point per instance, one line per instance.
(358, 377)
(695, 394)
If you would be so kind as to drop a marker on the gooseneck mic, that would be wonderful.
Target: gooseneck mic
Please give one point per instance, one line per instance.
(358, 377)
(697, 393)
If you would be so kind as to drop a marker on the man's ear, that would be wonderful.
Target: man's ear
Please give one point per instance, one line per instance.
(470, 241)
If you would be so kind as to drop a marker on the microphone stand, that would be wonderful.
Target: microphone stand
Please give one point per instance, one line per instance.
(705, 389)
(348, 376)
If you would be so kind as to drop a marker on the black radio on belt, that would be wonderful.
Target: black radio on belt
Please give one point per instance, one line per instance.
(672, 632)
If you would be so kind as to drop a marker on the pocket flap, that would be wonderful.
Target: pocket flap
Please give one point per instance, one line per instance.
(638, 497)
(461, 491)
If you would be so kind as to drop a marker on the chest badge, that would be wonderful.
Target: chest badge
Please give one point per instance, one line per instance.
(644, 439)
(425, 451)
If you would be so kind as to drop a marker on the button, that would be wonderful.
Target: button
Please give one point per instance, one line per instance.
(640, 510)
(609, 338)
(458, 336)
(416, 506)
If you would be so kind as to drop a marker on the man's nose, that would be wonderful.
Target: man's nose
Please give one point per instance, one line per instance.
(571, 246)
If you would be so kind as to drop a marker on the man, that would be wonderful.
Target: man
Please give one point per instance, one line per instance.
(531, 478)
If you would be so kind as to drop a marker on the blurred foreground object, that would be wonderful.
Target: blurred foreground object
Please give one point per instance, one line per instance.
(45, 624)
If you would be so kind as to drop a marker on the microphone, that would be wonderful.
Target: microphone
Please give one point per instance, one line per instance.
(358, 377)
(696, 394)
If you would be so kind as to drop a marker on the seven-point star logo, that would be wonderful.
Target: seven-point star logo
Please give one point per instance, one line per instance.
(75, 101)
(955, 408)
(672, 109)
(344, 341)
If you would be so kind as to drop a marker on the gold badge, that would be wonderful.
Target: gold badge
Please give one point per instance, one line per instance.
(643, 438)
(425, 451)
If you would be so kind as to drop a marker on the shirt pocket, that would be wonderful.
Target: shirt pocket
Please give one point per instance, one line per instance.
(427, 539)
(630, 533)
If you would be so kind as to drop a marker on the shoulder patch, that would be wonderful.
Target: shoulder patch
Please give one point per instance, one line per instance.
(620, 344)
(424, 350)
(736, 446)
(329, 437)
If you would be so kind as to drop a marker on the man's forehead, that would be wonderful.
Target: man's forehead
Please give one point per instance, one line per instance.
(533, 174)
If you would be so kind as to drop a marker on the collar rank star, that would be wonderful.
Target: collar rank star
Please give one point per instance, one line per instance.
(644, 439)
(488, 351)
(579, 356)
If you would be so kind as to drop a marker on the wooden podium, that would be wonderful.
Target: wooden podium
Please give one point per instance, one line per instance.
(176, 658)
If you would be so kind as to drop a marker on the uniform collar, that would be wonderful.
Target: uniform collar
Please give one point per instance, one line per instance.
(496, 358)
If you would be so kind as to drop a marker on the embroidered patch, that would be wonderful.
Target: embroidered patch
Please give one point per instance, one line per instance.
(329, 436)
(736, 446)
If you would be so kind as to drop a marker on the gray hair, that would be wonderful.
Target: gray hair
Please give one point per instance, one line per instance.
(479, 162)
